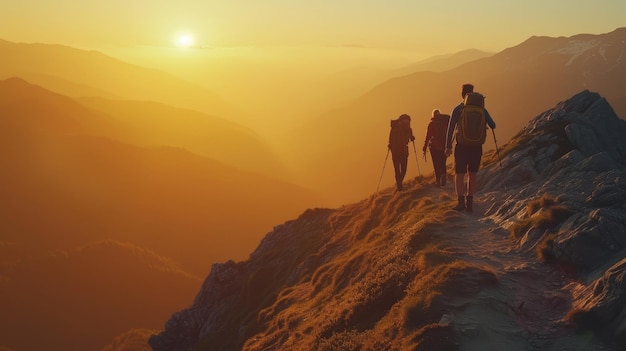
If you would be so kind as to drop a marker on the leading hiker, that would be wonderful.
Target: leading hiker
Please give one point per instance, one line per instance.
(399, 137)
(468, 125)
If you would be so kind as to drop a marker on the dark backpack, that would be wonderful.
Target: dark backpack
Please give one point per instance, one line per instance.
(399, 136)
(472, 125)
(439, 131)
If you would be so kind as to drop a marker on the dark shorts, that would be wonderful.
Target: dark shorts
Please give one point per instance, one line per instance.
(467, 158)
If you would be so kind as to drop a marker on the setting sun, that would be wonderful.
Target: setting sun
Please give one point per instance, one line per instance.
(185, 41)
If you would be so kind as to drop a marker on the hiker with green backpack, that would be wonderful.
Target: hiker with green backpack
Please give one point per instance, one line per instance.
(468, 124)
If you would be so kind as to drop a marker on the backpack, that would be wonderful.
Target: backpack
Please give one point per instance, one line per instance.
(439, 131)
(472, 125)
(399, 136)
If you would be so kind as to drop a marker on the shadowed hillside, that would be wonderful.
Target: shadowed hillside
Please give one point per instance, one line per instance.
(536, 266)
(63, 168)
(152, 123)
(78, 299)
(518, 82)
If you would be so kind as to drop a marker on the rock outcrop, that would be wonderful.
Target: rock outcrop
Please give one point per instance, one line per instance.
(576, 154)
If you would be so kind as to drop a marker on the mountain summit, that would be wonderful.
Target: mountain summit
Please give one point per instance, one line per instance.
(538, 265)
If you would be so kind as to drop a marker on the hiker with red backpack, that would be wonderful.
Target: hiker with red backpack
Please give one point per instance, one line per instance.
(468, 124)
(399, 137)
(436, 139)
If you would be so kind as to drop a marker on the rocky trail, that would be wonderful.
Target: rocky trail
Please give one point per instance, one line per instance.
(530, 300)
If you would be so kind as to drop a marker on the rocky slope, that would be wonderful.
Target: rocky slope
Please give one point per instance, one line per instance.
(539, 265)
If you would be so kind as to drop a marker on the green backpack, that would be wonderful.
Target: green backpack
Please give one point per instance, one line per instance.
(472, 125)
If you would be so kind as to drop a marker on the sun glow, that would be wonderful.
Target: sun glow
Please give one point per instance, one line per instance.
(185, 41)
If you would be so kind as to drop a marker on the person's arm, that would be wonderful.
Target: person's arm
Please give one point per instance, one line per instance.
(454, 117)
(429, 135)
(411, 137)
(489, 120)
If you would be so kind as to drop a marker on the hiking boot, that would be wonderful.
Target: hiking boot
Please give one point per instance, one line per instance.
(468, 203)
(461, 205)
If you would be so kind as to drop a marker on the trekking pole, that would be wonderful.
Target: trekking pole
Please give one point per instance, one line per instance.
(497, 150)
(416, 161)
(381, 173)
(499, 159)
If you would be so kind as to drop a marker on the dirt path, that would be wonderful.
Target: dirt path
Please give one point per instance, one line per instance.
(526, 306)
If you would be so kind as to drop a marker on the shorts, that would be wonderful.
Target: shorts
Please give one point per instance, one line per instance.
(467, 158)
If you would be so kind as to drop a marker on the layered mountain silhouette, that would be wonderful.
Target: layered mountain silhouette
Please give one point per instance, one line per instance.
(77, 73)
(153, 123)
(537, 265)
(518, 82)
(442, 63)
(105, 210)
(73, 174)
(344, 86)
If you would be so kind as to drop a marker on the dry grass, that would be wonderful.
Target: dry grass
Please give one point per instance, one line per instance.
(543, 213)
(427, 300)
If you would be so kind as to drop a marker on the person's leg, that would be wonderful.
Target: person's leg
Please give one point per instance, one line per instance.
(459, 187)
(434, 156)
(471, 183)
(439, 162)
(473, 164)
(397, 170)
(460, 165)
(403, 163)
(471, 188)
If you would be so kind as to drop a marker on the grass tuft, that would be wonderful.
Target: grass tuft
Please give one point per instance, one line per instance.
(543, 213)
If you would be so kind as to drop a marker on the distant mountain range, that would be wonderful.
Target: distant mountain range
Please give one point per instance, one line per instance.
(442, 63)
(518, 82)
(94, 176)
(78, 73)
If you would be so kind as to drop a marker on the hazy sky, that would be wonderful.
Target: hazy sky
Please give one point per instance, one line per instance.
(429, 27)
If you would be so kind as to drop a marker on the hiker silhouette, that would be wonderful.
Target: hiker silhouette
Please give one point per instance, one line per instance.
(466, 155)
(436, 140)
(399, 137)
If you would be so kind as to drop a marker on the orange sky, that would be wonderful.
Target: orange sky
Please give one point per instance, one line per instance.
(273, 57)
(425, 28)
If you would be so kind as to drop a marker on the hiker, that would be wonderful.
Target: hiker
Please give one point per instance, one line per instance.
(399, 137)
(468, 125)
(436, 139)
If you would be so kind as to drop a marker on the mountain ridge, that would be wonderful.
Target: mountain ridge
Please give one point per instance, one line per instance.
(518, 82)
(111, 75)
(528, 269)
